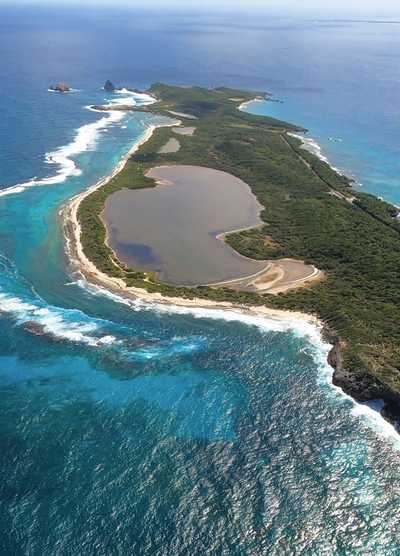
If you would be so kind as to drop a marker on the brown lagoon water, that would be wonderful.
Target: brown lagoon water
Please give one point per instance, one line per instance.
(172, 229)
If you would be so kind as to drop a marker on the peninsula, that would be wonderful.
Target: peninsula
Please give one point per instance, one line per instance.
(318, 247)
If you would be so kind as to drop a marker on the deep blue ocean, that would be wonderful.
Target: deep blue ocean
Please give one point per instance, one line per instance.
(136, 429)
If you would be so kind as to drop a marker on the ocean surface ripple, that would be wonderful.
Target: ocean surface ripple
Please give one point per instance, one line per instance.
(134, 428)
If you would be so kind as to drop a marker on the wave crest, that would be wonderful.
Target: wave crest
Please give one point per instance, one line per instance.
(72, 325)
(84, 140)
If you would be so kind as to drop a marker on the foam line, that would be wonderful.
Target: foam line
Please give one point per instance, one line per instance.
(142, 98)
(72, 326)
(317, 347)
(84, 140)
(267, 323)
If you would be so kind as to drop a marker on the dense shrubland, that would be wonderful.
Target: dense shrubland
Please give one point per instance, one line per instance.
(357, 244)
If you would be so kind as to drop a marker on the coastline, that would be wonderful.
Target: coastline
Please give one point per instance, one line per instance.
(82, 265)
(333, 357)
(312, 146)
(246, 103)
(309, 143)
(256, 315)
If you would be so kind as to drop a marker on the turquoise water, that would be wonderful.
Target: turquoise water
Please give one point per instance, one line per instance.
(128, 428)
(339, 79)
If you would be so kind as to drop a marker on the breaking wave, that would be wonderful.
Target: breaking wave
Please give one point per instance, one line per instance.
(132, 98)
(317, 347)
(268, 322)
(61, 324)
(85, 139)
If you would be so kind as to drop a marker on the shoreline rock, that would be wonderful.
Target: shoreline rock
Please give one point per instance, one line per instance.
(110, 87)
(34, 328)
(361, 386)
(61, 87)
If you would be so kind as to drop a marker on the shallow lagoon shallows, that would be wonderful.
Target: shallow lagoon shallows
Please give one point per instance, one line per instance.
(173, 229)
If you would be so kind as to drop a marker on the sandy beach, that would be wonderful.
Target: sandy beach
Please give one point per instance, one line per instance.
(82, 265)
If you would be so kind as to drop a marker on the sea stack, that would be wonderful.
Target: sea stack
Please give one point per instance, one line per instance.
(60, 87)
(109, 86)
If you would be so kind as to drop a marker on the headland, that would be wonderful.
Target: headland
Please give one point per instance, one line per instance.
(311, 216)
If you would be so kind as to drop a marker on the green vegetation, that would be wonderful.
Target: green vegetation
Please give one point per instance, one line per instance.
(311, 213)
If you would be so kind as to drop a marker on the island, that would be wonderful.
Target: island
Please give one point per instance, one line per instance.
(307, 241)
(110, 87)
(60, 87)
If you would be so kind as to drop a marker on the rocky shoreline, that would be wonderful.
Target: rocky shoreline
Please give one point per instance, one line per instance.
(362, 387)
(60, 87)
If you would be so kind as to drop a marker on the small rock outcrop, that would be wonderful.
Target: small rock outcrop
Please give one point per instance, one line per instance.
(35, 328)
(109, 86)
(60, 87)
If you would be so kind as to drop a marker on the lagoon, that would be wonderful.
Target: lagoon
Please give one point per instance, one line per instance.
(173, 229)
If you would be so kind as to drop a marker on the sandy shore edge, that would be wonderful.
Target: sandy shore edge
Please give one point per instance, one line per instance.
(82, 265)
